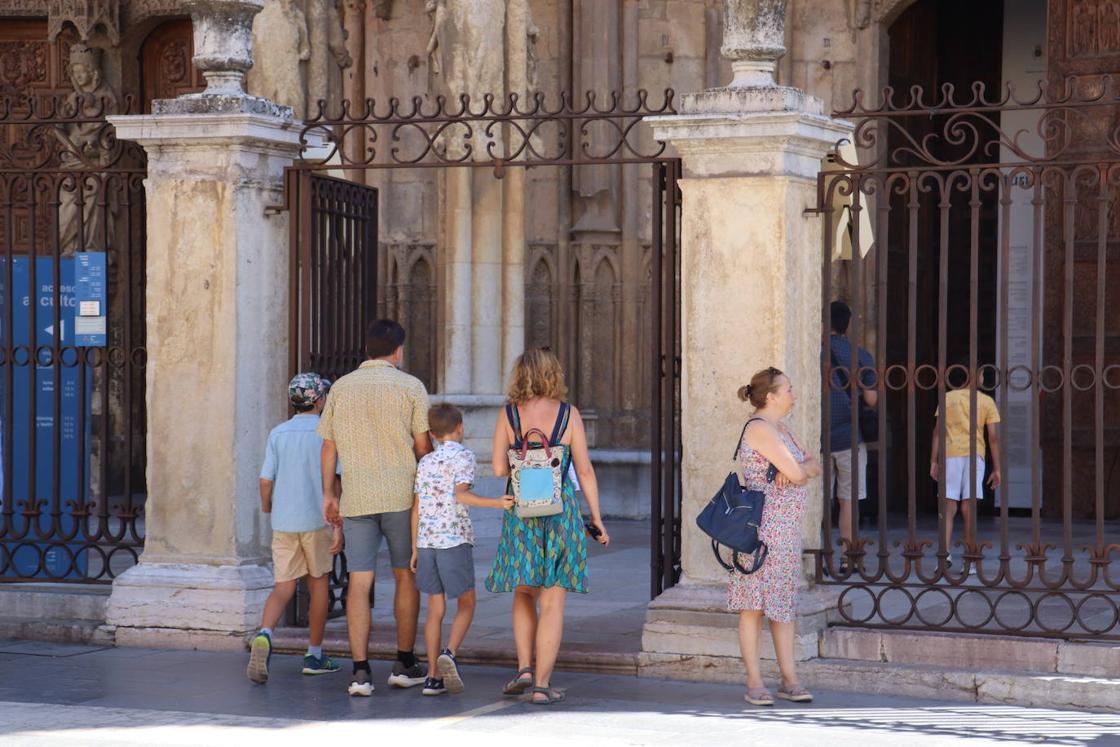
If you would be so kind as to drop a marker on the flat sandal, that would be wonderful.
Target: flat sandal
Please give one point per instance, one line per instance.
(519, 684)
(759, 696)
(798, 694)
(551, 695)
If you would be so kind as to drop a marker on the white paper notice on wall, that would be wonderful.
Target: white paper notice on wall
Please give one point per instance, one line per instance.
(89, 308)
(89, 325)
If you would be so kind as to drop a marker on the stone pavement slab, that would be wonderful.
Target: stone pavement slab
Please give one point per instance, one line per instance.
(145, 697)
(606, 622)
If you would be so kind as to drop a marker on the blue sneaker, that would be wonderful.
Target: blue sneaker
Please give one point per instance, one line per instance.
(433, 686)
(319, 664)
(260, 654)
(449, 668)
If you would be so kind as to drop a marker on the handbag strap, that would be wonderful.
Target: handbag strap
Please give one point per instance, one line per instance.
(770, 473)
(739, 443)
(524, 448)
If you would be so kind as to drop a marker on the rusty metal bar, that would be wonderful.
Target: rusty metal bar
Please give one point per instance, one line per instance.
(657, 369)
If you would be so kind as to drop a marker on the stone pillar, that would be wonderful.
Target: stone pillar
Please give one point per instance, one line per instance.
(217, 280)
(486, 273)
(457, 296)
(750, 262)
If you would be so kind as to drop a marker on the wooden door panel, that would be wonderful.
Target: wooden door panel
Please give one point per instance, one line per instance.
(166, 70)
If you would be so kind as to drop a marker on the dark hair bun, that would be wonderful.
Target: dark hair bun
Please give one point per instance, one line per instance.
(745, 393)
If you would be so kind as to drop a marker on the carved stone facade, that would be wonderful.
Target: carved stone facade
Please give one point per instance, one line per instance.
(300, 52)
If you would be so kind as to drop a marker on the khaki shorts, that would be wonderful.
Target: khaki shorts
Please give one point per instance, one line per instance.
(842, 461)
(299, 554)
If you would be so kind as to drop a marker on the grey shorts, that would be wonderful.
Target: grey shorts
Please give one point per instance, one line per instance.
(448, 571)
(363, 539)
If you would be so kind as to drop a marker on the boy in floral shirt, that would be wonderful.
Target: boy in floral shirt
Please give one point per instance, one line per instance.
(443, 540)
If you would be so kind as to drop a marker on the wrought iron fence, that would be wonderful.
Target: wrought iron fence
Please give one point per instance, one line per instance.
(991, 272)
(72, 350)
(437, 132)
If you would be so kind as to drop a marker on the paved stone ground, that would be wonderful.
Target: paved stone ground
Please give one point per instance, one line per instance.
(56, 694)
(608, 619)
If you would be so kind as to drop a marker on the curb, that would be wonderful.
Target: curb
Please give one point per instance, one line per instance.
(294, 641)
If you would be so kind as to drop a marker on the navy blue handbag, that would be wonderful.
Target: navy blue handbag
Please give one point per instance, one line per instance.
(733, 516)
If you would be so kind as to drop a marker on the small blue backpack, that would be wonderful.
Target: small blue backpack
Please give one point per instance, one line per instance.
(733, 516)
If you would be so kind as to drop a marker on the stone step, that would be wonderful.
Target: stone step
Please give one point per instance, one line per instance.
(1043, 690)
(55, 630)
(705, 640)
(53, 600)
(581, 659)
(981, 652)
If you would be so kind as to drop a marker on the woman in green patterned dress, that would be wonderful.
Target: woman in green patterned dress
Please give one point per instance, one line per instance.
(541, 559)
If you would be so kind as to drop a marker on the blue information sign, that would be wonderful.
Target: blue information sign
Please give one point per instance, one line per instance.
(33, 336)
(90, 299)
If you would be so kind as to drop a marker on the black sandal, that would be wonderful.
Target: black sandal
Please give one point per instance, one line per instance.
(551, 695)
(519, 684)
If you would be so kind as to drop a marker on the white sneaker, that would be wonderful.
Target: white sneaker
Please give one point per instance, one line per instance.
(407, 676)
(360, 684)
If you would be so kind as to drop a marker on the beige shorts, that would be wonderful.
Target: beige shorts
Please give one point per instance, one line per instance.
(299, 554)
(842, 462)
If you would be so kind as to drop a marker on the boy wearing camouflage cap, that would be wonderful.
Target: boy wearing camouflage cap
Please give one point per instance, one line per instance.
(291, 486)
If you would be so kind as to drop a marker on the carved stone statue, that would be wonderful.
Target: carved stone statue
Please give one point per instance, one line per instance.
(482, 47)
(82, 222)
(280, 45)
(299, 53)
(437, 9)
(329, 56)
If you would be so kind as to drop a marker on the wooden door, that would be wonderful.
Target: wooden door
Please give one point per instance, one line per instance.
(1084, 44)
(166, 70)
(934, 43)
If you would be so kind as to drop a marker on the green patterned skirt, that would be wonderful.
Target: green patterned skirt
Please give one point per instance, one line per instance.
(544, 551)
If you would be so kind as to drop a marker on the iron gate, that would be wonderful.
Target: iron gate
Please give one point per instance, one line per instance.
(993, 270)
(502, 135)
(333, 292)
(72, 350)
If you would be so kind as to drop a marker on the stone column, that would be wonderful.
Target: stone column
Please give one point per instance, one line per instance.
(486, 274)
(217, 280)
(751, 269)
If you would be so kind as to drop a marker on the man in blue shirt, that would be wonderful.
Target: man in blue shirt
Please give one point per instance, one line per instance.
(844, 435)
(291, 486)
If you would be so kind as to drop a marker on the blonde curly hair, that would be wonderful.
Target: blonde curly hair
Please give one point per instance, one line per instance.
(537, 373)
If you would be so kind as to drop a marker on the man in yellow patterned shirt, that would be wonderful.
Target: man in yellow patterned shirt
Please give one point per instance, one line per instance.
(375, 423)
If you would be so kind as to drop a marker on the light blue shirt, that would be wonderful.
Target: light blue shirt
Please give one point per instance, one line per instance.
(291, 461)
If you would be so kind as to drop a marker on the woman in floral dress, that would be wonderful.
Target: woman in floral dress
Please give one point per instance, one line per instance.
(541, 559)
(771, 591)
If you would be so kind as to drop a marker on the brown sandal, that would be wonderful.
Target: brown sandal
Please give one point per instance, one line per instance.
(795, 694)
(759, 696)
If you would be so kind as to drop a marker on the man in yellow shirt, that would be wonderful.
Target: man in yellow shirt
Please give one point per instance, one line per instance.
(375, 422)
(959, 486)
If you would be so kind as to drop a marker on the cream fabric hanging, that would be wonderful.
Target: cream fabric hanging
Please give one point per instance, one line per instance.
(842, 208)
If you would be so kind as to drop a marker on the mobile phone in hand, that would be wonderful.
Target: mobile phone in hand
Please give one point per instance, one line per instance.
(592, 530)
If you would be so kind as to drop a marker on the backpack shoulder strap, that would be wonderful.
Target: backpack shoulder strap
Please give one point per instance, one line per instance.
(514, 418)
(739, 443)
(561, 425)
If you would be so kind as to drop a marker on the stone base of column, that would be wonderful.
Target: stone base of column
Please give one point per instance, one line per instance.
(690, 634)
(181, 605)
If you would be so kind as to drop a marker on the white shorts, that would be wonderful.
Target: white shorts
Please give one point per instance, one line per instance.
(842, 462)
(958, 477)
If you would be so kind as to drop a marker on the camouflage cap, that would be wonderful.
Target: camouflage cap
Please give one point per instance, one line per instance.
(306, 389)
